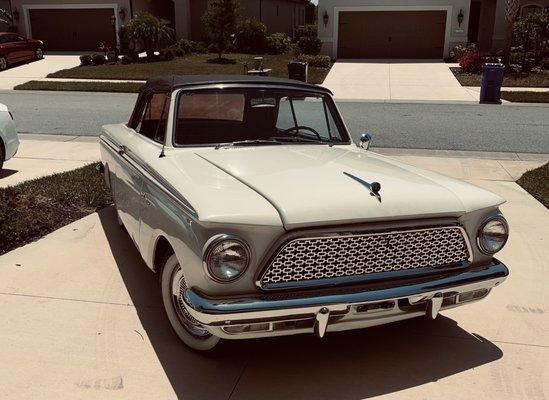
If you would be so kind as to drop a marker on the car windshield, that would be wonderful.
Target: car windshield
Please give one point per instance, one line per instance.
(256, 117)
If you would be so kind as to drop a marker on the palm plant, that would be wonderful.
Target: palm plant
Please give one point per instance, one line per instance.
(149, 31)
(6, 18)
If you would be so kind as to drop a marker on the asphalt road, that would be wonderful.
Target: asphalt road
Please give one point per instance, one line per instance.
(511, 128)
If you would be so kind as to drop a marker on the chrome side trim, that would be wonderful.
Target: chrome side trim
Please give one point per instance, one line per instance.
(153, 177)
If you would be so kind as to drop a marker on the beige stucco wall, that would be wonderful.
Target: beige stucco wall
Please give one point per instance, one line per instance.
(277, 15)
(454, 33)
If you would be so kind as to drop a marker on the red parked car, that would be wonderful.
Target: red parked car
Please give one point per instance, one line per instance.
(15, 48)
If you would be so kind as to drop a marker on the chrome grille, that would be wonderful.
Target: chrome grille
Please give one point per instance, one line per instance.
(337, 256)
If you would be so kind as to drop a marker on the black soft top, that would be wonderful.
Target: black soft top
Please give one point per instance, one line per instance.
(171, 82)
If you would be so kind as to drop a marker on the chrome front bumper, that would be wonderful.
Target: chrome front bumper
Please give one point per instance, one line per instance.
(287, 314)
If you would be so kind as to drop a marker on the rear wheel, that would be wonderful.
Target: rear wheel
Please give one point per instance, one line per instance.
(3, 63)
(189, 330)
(39, 54)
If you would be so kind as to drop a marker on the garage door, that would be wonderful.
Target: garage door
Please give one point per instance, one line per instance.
(391, 34)
(72, 29)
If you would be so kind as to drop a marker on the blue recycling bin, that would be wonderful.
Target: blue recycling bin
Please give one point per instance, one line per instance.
(490, 85)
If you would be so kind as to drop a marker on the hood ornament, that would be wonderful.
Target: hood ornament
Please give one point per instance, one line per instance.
(373, 187)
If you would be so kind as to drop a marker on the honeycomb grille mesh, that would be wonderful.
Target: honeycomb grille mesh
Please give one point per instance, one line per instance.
(306, 259)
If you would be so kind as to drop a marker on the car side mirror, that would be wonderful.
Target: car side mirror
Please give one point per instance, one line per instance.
(365, 140)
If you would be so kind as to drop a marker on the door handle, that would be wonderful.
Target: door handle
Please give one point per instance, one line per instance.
(122, 150)
(146, 199)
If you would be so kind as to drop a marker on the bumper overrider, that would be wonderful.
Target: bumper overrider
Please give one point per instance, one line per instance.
(287, 314)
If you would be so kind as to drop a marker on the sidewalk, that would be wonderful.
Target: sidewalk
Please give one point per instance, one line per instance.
(82, 317)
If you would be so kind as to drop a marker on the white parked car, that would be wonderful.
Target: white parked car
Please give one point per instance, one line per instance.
(263, 218)
(9, 142)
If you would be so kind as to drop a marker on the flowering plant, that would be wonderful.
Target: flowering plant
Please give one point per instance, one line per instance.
(105, 47)
(470, 62)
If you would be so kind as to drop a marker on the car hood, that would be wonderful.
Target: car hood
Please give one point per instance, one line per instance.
(313, 185)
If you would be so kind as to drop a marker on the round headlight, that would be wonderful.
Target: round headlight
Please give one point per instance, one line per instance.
(492, 235)
(226, 258)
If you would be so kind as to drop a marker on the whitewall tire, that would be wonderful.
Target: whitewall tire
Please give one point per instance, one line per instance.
(190, 331)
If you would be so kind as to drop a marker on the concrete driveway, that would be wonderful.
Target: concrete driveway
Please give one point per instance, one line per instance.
(21, 73)
(82, 319)
(404, 80)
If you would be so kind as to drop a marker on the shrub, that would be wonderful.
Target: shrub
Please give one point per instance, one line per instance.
(167, 54)
(176, 50)
(200, 47)
(305, 30)
(86, 59)
(212, 48)
(321, 61)
(470, 62)
(149, 31)
(98, 59)
(105, 47)
(309, 45)
(545, 63)
(112, 57)
(220, 21)
(278, 43)
(186, 46)
(459, 51)
(126, 60)
(251, 36)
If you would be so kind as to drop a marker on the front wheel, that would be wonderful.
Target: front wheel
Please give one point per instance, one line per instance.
(189, 330)
(39, 54)
(3, 63)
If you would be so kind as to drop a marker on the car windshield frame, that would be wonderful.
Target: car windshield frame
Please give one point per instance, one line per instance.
(228, 88)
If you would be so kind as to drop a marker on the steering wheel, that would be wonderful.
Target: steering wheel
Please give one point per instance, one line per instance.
(305, 128)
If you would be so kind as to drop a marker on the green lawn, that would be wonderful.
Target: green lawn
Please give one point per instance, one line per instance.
(116, 87)
(35, 208)
(536, 182)
(526, 97)
(192, 64)
(533, 79)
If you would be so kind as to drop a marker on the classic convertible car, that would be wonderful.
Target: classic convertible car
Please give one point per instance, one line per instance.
(262, 217)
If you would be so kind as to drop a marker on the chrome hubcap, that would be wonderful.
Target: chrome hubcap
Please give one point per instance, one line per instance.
(179, 285)
(3, 63)
(39, 53)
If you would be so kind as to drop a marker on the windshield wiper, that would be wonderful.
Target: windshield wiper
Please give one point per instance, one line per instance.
(301, 139)
(255, 142)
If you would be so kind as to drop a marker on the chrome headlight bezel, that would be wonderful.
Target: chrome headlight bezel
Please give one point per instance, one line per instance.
(480, 233)
(212, 245)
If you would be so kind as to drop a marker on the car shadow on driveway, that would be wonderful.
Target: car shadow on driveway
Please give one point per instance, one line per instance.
(4, 173)
(348, 365)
